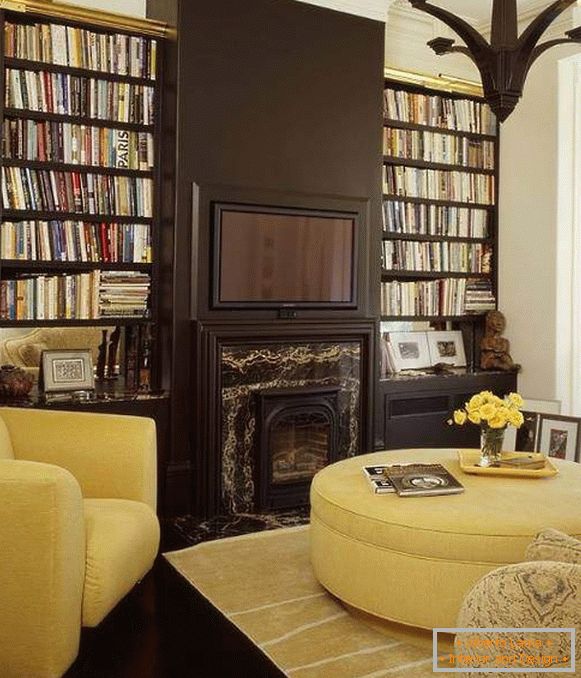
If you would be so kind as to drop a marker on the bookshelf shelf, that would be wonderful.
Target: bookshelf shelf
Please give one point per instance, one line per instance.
(473, 318)
(82, 288)
(431, 275)
(441, 203)
(77, 120)
(399, 124)
(88, 169)
(424, 164)
(387, 235)
(42, 66)
(98, 322)
(22, 264)
(31, 215)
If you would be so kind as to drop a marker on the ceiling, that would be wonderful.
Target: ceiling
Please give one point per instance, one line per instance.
(480, 10)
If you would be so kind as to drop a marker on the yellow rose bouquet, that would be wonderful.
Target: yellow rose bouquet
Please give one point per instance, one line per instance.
(493, 415)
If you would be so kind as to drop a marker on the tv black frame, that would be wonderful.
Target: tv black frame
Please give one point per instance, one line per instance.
(217, 207)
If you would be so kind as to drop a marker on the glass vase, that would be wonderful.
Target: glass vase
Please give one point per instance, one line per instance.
(491, 440)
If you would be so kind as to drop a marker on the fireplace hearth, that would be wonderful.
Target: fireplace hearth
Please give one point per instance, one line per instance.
(297, 436)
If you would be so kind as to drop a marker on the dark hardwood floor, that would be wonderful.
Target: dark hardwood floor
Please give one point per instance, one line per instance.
(164, 628)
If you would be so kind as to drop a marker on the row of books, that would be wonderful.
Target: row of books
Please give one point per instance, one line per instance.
(83, 296)
(80, 48)
(47, 141)
(75, 241)
(123, 293)
(439, 184)
(453, 257)
(43, 190)
(66, 94)
(479, 296)
(437, 110)
(424, 297)
(436, 220)
(441, 148)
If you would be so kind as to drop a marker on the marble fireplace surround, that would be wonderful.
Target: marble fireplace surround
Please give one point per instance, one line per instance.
(246, 369)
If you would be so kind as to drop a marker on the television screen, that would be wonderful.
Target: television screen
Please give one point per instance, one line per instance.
(283, 257)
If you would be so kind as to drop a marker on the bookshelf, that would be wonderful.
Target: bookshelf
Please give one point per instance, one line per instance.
(80, 115)
(440, 187)
(439, 252)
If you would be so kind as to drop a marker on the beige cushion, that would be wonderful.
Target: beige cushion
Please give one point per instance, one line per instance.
(6, 451)
(122, 543)
(554, 545)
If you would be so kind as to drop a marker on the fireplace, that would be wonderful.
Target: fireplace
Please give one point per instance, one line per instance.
(287, 409)
(297, 436)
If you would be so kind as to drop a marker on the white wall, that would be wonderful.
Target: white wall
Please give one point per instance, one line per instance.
(131, 7)
(528, 234)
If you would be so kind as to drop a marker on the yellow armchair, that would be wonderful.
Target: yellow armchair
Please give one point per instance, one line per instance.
(78, 529)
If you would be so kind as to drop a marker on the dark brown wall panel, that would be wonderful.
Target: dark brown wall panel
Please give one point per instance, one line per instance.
(277, 97)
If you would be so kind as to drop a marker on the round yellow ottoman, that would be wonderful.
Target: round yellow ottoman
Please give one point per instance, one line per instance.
(411, 560)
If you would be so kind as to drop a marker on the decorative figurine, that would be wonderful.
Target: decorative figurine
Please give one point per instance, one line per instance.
(494, 348)
(102, 356)
(14, 382)
(112, 356)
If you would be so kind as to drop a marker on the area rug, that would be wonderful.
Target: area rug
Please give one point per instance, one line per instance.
(263, 583)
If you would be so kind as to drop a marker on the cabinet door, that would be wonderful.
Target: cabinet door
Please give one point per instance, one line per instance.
(422, 421)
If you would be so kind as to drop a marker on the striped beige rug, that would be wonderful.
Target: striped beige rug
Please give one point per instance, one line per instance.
(264, 584)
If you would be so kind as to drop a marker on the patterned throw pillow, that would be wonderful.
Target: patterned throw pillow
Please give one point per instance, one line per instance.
(554, 545)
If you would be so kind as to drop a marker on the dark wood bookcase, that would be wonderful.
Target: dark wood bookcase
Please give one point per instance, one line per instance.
(10, 268)
(412, 410)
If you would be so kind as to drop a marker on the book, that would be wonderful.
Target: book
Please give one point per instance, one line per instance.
(379, 483)
(418, 480)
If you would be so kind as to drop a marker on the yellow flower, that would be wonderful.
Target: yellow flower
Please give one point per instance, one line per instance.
(516, 418)
(487, 396)
(474, 417)
(487, 411)
(475, 402)
(460, 417)
(498, 421)
(515, 399)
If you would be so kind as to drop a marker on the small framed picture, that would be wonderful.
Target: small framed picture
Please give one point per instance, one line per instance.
(410, 350)
(67, 370)
(447, 347)
(559, 437)
(524, 439)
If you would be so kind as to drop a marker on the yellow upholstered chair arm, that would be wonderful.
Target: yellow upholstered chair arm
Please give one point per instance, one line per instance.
(42, 569)
(112, 457)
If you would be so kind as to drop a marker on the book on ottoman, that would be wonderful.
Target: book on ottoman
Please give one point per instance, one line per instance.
(377, 479)
(416, 480)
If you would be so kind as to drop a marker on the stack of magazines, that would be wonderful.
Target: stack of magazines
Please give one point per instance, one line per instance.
(411, 480)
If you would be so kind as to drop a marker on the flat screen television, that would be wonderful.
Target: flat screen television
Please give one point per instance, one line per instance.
(275, 257)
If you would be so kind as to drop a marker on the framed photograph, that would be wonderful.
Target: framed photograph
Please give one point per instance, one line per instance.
(523, 439)
(447, 347)
(410, 350)
(559, 437)
(67, 370)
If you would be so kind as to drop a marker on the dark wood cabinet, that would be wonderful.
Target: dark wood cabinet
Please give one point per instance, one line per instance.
(414, 411)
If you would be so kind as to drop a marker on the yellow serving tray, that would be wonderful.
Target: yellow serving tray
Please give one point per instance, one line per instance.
(469, 464)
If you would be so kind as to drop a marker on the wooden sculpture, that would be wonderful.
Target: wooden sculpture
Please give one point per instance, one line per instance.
(494, 348)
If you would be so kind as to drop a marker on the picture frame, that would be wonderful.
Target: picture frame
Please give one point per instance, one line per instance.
(65, 370)
(559, 436)
(447, 348)
(410, 350)
(523, 439)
